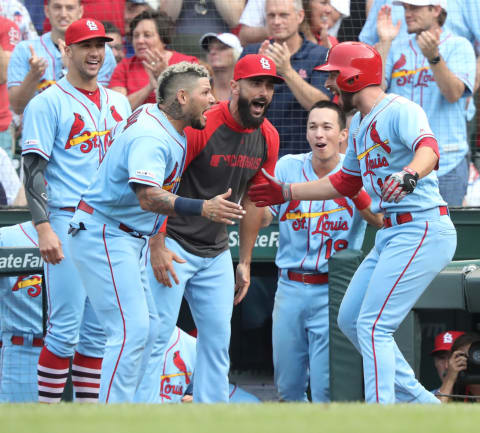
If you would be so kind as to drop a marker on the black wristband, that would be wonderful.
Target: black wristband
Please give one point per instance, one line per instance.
(435, 60)
(188, 206)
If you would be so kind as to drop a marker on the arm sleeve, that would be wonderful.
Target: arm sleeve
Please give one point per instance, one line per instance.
(461, 61)
(346, 184)
(35, 190)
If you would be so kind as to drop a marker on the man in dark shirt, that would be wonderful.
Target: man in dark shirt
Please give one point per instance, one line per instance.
(295, 58)
(229, 153)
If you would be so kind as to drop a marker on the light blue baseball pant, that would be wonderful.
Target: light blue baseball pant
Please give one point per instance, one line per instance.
(19, 383)
(300, 340)
(401, 265)
(72, 323)
(109, 261)
(208, 285)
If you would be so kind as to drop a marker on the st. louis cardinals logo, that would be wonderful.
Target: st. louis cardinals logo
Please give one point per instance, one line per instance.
(406, 76)
(87, 140)
(166, 387)
(172, 179)
(44, 85)
(324, 225)
(379, 161)
(33, 282)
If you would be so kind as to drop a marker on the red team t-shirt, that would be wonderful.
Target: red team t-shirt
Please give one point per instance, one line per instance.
(9, 37)
(131, 75)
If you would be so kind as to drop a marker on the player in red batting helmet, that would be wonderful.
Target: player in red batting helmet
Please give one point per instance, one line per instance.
(359, 65)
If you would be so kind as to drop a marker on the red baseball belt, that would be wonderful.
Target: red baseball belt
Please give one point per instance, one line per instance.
(406, 217)
(308, 277)
(20, 341)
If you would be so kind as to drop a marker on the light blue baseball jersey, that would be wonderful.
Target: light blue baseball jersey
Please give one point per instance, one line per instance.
(20, 296)
(67, 129)
(408, 73)
(383, 143)
(146, 149)
(312, 231)
(463, 19)
(44, 47)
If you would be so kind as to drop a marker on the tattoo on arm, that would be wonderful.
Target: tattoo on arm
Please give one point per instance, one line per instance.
(156, 199)
(34, 166)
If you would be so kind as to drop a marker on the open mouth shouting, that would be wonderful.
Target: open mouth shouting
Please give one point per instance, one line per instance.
(257, 107)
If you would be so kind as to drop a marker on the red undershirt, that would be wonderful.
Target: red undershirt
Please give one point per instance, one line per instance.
(93, 96)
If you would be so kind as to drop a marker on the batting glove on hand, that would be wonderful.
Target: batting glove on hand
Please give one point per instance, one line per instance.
(273, 192)
(398, 185)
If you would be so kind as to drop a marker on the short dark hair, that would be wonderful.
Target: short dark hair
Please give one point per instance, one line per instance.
(163, 24)
(342, 121)
(110, 27)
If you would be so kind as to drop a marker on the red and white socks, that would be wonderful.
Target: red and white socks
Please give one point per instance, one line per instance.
(86, 378)
(53, 372)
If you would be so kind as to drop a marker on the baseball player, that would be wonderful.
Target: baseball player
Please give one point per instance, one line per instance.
(392, 153)
(178, 368)
(37, 64)
(310, 233)
(20, 323)
(435, 69)
(228, 153)
(126, 201)
(65, 138)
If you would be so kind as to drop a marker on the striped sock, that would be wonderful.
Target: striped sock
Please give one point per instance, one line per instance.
(52, 372)
(86, 378)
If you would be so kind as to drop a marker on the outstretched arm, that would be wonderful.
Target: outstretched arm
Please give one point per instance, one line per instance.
(217, 209)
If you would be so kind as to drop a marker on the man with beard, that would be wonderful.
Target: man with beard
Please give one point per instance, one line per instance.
(229, 153)
(125, 203)
(392, 152)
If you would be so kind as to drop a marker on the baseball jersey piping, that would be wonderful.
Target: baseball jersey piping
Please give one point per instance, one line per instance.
(385, 303)
(27, 235)
(121, 313)
(52, 58)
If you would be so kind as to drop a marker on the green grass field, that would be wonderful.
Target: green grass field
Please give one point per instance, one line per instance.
(261, 418)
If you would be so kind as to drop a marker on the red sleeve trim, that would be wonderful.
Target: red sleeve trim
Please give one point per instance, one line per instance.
(346, 184)
(163, 227)
(432, 143)
(363, 200)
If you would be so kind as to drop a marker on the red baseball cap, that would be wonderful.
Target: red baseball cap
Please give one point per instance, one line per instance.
(255, 65)
(445, 340)
(85, 29)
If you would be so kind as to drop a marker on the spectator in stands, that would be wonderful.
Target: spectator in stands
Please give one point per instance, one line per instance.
(15, 11)
(137, 76)
(37, 64)
(435, 69)
(323, 19)
(252, 20)
(369, 33)
(453, 364)
(116, 43)
(194, 18)
(101, 10)
(9, 38)
(295, 57)
(223, 51)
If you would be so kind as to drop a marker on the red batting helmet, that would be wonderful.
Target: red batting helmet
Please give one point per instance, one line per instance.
(359, 65)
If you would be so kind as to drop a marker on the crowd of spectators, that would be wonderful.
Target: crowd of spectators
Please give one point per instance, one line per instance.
(149, 35)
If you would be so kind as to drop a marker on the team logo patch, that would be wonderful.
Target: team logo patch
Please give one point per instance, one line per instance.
(145, 173)
(92, 25)
(265, 63)
(448, 338)
(31, 142)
